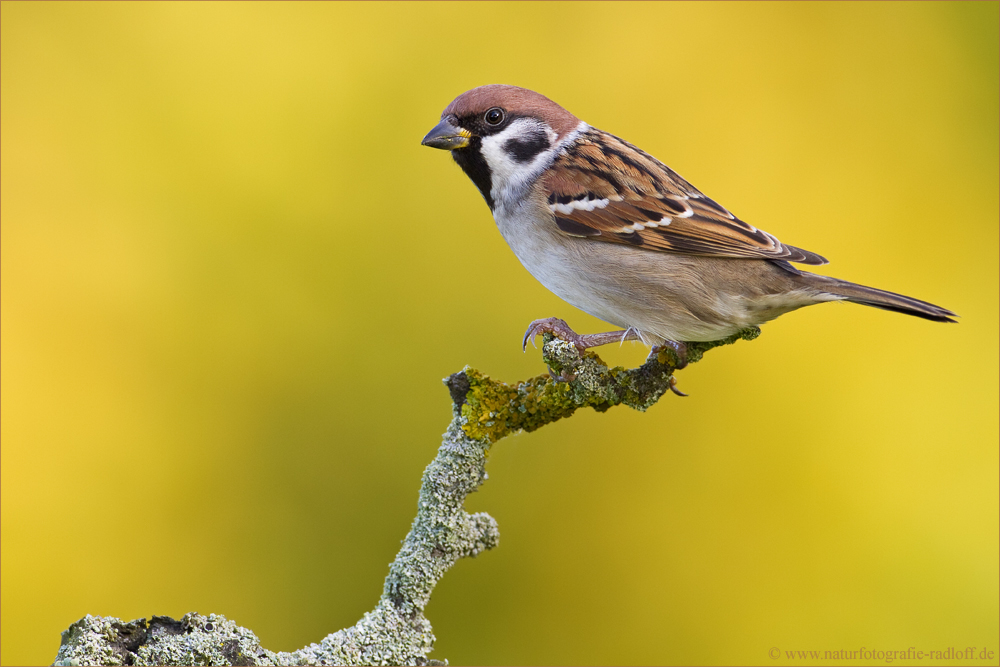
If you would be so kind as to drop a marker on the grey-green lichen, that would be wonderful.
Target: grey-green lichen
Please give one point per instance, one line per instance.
(396, 632)
(193, 640)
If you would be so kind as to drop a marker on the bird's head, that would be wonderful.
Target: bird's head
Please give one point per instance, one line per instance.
(502, 136)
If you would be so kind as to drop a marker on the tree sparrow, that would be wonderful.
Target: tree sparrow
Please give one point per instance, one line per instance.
(618, 234)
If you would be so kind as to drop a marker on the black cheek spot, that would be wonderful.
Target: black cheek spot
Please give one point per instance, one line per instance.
(525, 149)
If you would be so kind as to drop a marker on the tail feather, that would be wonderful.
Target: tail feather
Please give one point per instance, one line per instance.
(869, 296)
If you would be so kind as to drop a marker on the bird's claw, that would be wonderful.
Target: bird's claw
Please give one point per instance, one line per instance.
(561, 330)
(554, 326)
(679, 350)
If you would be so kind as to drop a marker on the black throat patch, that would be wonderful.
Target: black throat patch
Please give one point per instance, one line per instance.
(471, 160)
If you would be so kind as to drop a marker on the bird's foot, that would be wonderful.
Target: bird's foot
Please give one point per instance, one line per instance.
(678, 349)
(561, 330)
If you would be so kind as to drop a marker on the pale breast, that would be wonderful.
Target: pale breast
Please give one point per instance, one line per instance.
(663, 295)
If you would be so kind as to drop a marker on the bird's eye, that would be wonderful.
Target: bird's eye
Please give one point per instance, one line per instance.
(494, 116)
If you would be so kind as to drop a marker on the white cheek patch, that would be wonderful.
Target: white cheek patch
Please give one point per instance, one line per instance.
(506, 170)
(511, 178)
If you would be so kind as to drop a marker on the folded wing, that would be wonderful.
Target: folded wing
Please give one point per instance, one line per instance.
(605, 189)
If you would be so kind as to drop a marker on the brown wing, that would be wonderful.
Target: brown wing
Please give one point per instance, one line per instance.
(606, 189)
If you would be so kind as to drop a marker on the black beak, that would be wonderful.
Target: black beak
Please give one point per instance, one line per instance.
(447, 137)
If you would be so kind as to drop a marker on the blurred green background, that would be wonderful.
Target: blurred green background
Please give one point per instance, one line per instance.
(233, 279)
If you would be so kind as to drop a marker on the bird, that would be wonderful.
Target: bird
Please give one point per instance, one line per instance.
(618, 234)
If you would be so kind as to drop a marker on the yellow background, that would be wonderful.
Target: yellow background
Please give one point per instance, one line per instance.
(233, 279)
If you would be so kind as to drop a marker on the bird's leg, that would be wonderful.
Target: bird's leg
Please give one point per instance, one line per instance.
(679, 349)
(561, 330)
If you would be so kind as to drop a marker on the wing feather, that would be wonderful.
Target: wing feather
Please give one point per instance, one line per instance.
(605, 189)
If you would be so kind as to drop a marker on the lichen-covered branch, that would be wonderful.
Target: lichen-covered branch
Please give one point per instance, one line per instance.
(396, 631)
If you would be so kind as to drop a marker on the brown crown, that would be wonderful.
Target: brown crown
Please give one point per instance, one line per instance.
(514, 100)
